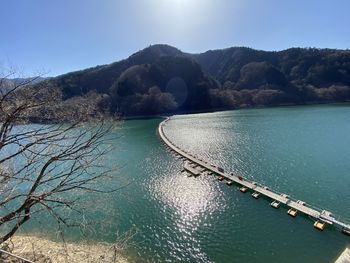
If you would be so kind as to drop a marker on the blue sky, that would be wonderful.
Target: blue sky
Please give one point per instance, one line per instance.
(59, 36)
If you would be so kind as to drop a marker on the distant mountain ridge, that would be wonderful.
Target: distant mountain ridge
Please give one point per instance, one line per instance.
(162, 79)
(332, 65)
(7, 84)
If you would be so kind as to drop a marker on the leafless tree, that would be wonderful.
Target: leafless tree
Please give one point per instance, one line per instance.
(41, 165)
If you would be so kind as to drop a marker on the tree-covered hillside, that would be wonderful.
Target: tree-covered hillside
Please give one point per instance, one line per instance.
(162, 79)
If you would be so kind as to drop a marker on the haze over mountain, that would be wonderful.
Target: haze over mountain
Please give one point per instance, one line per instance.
(162, 79)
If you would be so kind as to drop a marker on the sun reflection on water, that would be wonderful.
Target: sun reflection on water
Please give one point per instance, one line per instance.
(191, 201)
(192, 198)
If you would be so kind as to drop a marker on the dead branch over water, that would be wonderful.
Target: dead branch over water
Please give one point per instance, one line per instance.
(42, 167)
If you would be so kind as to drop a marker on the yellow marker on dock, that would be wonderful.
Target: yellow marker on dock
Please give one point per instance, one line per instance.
(319, 225)
(243, 189)
(292, 212)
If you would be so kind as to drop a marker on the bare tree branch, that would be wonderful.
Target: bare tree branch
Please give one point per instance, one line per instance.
(41, 165)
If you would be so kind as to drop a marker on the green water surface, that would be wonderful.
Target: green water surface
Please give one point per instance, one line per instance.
(302, 151)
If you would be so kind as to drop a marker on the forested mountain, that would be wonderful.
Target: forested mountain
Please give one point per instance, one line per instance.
(8, 83)
(162, 79)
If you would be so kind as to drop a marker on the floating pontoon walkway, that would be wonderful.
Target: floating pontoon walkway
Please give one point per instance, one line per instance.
(318, 214)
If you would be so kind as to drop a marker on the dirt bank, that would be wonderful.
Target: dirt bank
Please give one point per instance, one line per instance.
(43, 250)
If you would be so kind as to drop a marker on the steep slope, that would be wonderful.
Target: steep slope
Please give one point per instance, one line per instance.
(170, 84)
(318, 67)
(162, 79)
(101, 78)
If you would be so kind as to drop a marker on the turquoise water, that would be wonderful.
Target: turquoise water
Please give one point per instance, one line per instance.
(302, 151)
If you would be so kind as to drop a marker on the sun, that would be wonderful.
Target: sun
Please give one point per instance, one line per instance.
(182, 3)
(179, 1)
(178, 20)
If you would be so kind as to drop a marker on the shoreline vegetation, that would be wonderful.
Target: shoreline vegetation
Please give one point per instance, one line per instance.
(43, 250)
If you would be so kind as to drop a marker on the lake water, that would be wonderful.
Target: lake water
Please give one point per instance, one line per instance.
(301, 151)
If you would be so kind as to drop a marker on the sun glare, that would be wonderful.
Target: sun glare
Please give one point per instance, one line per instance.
(183, 17)
(181, 4)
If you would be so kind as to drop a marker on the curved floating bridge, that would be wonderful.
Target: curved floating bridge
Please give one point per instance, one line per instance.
(195, 166)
